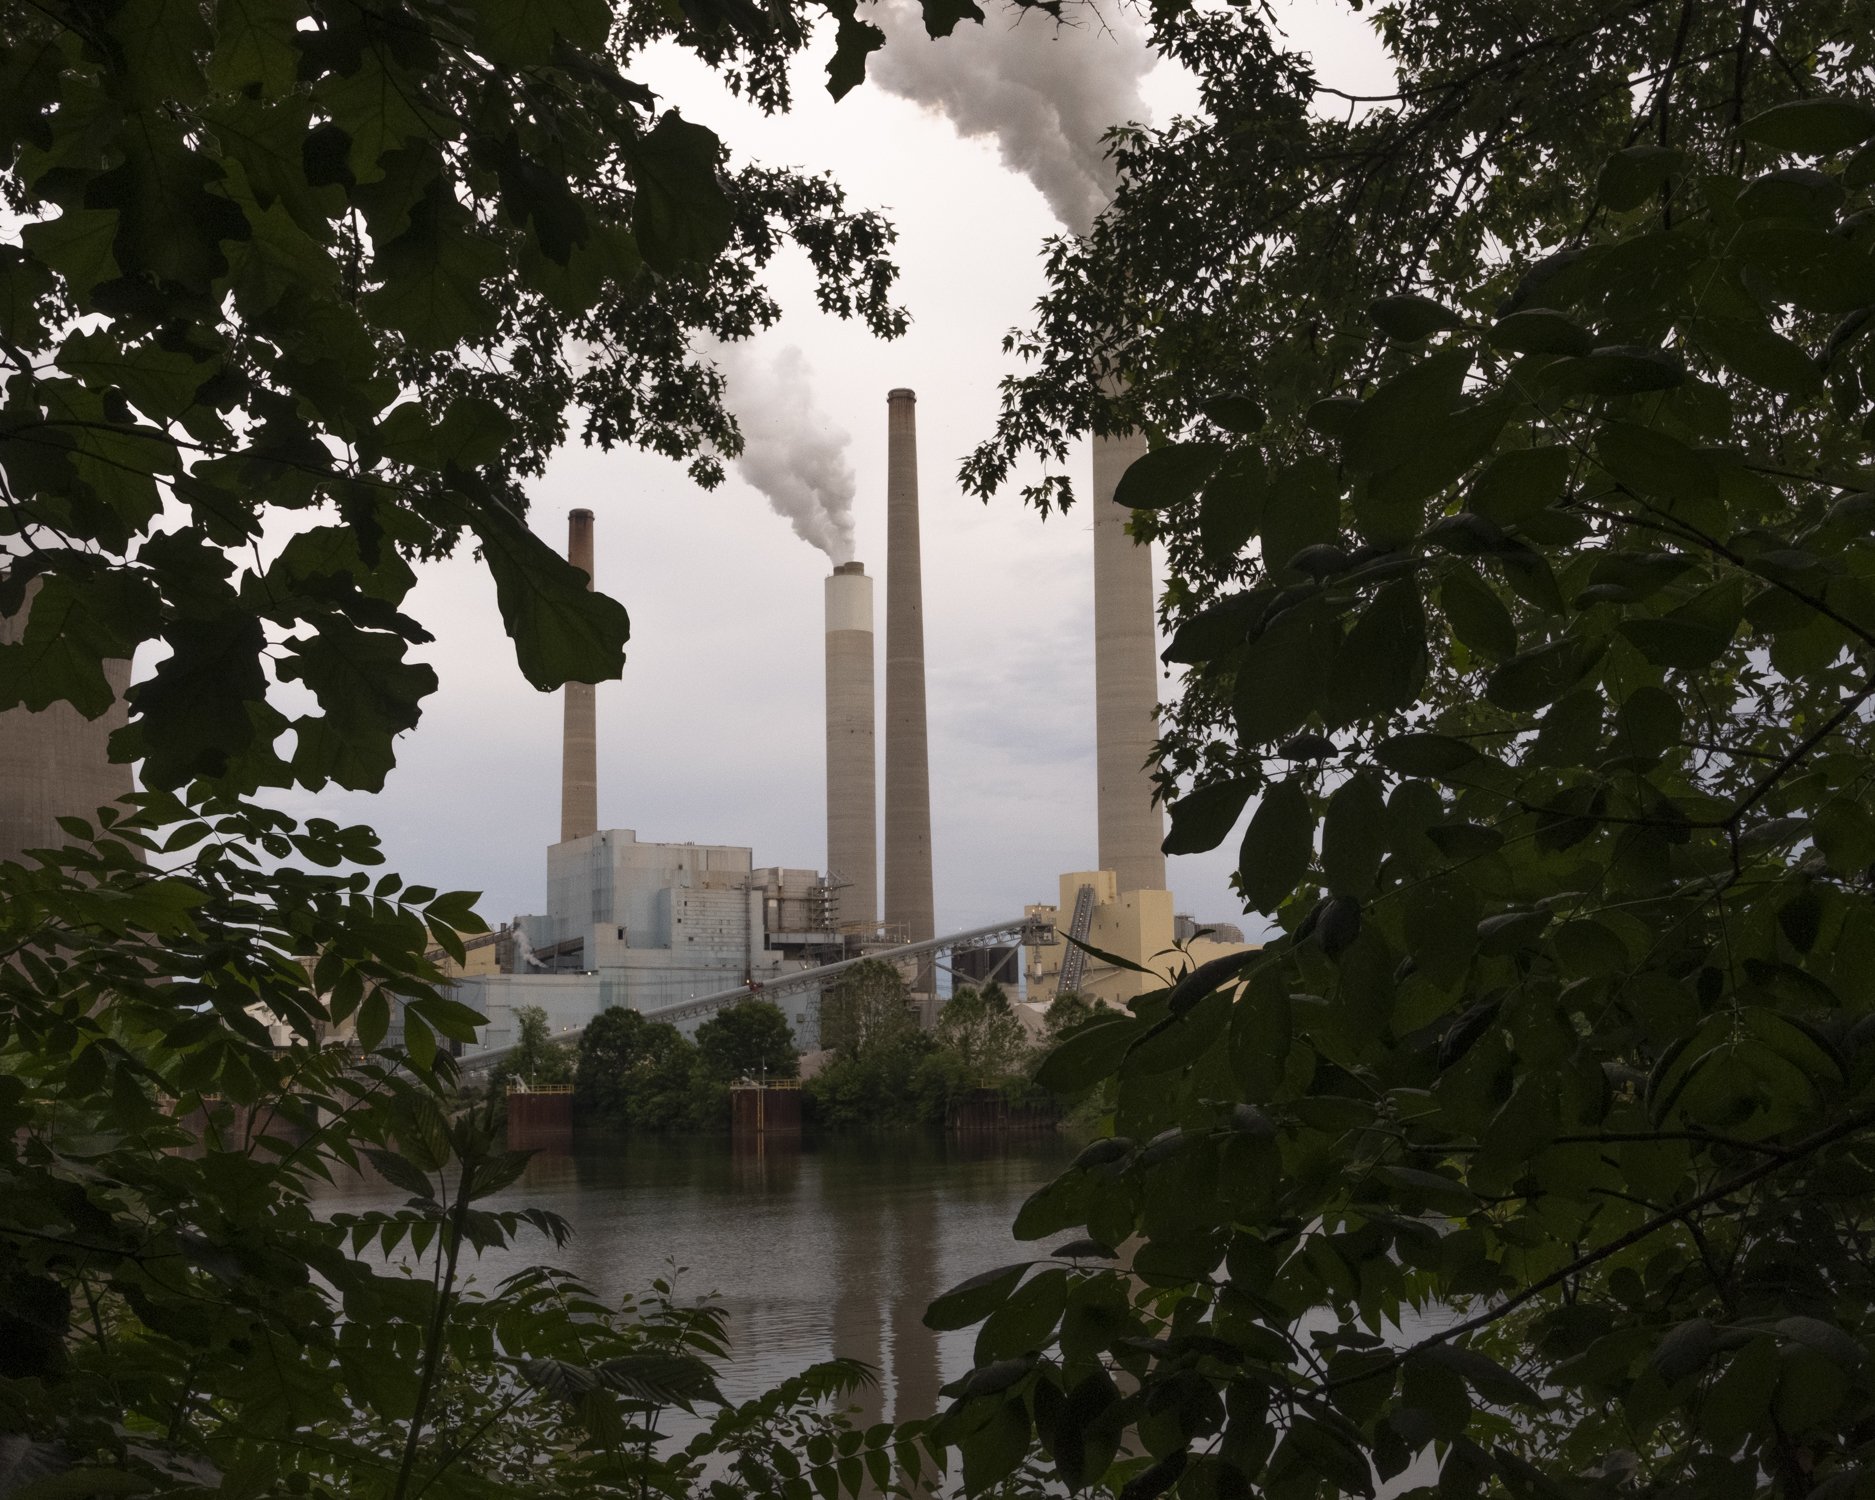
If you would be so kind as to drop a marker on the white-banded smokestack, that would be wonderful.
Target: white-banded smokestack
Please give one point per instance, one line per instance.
(908, 899)
(579, 756)
(56, 763)
(852, 764)
(1126, 682)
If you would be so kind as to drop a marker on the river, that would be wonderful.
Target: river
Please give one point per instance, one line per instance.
(814, 1247)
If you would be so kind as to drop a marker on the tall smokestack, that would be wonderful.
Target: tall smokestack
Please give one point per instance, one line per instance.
(579, 756)
(908, 900)
(1126, 687)
(56, 763)
(852, 775)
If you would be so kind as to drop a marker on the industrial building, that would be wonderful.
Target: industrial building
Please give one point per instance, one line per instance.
(652, 926)
(56, 762)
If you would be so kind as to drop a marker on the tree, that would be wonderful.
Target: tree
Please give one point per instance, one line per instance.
(982, 1033)
(368, 260)
(1066, 1011)
(537, 1056)
(1511, 453)
(750, 1040)
(868, 1011)
(634, 1072)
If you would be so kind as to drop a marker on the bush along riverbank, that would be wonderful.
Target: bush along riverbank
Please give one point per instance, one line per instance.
(880, 1070)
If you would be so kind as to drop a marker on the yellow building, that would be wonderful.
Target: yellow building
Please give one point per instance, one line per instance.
(1138, 926)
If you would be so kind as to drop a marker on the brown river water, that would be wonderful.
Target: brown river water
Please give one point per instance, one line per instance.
(814, 1247)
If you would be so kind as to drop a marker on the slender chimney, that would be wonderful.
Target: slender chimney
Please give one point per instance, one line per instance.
(1126, 687)
(579, 757)
(852, 765)
(908, 899)
(56, 763)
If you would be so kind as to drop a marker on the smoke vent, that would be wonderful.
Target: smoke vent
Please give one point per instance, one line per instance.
(1126, 686)
(908, 900)
(852, 774)
(579, 758)
(56, 763)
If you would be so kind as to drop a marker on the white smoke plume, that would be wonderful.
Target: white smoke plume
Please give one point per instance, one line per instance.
(1047, 93)
(791, 450)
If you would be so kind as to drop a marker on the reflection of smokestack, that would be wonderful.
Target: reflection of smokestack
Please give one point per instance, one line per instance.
(579, 763)
(1126, 689)
(852, 786)
(907, 758)
(56, 763)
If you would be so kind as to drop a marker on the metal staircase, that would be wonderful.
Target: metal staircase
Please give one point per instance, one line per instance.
(1074, 961)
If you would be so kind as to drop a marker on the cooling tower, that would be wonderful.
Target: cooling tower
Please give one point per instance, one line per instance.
(56, 763)
(579, 756)
(852, 775)
(908, 900)
(1126, 686)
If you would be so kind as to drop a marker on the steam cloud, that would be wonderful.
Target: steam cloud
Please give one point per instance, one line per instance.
(791, 450)
(1046, 93)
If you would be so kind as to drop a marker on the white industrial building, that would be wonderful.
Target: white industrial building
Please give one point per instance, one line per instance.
(651, 926)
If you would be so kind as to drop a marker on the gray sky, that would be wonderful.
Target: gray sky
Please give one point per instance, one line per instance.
(714, 734)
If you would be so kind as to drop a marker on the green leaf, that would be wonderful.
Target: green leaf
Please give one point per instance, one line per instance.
(1617, 370)
(1231, 506)
(1202, 819)
(854, 42)
(1475, 613)
(1025, 1321)
(1283, 672)
(1354, 835)
(516, 36)
(1812, 127)
(1410, 317)
(1237, 414)
(1088, 1054)
(1541, 330)
(681, 216)
(563, 631)
(1167, 476)
(77, 245)
(1434, 755)
(1387, 425)
(1519, 484)
(1635, 176)
(1759, 353)
(1277, 846)
(1541, 675)
(1809, 267)
(1382, 664)
(975, 1298)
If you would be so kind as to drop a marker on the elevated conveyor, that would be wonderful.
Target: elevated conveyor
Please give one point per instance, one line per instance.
(1028, 931)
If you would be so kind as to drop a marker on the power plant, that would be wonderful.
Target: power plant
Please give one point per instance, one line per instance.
(909, 902)
(579, 764)
(680, 930)
(852, 749)
(1131, 825)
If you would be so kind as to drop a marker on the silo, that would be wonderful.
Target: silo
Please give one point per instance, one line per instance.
(852, 766)
(579, 754)
(56, 762)
(908, 898)
(1126, 687)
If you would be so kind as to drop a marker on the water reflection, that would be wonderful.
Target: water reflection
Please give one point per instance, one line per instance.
(815, 1247)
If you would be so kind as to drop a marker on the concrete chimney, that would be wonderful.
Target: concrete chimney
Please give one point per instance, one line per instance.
(579, 756)
(56, 763)
(908, 900)
(1126, 682)
(852, 765)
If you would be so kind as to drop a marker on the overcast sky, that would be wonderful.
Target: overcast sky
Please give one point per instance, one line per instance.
(715, 732)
